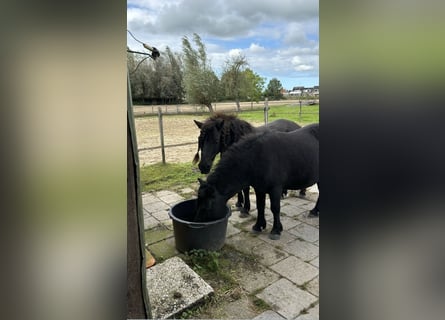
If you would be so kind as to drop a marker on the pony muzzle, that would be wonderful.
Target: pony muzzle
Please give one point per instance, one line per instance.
(204, 168)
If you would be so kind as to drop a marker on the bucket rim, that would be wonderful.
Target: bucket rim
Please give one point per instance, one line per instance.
(198, 224)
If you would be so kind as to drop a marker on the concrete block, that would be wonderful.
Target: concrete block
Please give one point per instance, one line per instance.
(173, 287)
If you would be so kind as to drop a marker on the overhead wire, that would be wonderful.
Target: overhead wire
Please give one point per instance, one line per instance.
(154, 55)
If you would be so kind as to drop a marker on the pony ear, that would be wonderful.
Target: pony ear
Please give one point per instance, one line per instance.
(198, 124)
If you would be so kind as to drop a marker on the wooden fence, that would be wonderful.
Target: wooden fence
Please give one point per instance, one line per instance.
(161, 110)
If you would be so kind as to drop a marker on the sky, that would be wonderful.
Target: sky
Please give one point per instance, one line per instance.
(279, 38)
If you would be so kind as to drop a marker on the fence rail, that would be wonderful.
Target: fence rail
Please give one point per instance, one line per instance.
(142, 110)
(169, 146)
(265, 108)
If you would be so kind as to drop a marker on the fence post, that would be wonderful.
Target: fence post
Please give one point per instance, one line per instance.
(300, 108)
(266, 111)
(161, 133)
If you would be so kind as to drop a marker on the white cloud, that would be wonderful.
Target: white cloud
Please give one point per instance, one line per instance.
(235, 53)
(255, 48)
(304, 67)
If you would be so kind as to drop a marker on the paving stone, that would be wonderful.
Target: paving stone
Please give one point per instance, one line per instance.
(187, 190)
(168, 224)
(157, 234)
(156, 206)
(149, 222)
(314, 286)
(285, 238)
(287, 222)
(312, 314)
(268, 254)
(268, 315)
(313, 188)
(286, 298)
(161, 215)
(296, 201)
(239, 309)
(244, 242)
(304, 250)
(317, 243)
(308, 205)
(306, 232)
(164, 193)
(148, 198)
(235, 218)
(295, 270)
(292, 210)
(164, 249)
(231, 230)
(173, 286)
(312, 196)
(260, 278)
(315, 262)
(172, 199)
(313, 221)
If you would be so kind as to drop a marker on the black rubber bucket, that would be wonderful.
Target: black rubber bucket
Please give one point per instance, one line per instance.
(196, 235)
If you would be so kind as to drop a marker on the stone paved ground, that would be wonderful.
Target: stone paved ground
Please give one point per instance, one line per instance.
(288, 277)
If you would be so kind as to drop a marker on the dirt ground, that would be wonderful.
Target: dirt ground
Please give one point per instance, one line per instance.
(177, 129)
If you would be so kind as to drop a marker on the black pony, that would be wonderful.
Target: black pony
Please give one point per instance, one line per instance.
(219, 132)
(269, 162)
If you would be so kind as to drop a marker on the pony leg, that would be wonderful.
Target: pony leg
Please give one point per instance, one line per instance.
(277, 227)
(284, 193)
(260, 220)
(245, 210)
(239, 203)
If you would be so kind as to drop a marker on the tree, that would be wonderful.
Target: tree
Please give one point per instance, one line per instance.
(273, 90)
(156, 81)
(233, 77)
(171, 78)
(253, 85)
(138, 69)
(200, 82)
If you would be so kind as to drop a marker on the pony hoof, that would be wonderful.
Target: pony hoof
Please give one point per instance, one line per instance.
(256, 230)
(274, 236)
(244, 214)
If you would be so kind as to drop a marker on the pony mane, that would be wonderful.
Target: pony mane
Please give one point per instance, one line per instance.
(232, 130)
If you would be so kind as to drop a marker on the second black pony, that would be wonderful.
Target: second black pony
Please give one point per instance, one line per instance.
(269, 162)
(219, 132)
